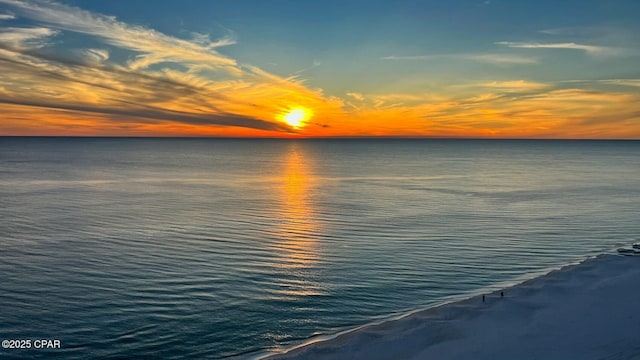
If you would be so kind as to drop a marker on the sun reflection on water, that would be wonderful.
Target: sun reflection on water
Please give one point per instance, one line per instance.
(298, 229)
(298, 224)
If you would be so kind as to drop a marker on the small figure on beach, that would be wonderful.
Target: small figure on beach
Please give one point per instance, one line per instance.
(483, 298)
(501, 293)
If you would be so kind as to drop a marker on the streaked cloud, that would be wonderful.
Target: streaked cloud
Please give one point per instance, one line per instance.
(492, 58)
(411, 57)
(515, 85)
(503, 58)
(7, 16)
(590, 49)
(153, 46)
(205, 88)
(514, 108)
(65, 70)
(621, 82)
(96, 56)
(25, 38)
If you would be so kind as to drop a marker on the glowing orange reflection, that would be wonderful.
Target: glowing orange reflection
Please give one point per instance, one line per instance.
(298, 230)
(299, 226)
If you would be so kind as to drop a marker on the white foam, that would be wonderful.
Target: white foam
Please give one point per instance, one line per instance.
(584, 311)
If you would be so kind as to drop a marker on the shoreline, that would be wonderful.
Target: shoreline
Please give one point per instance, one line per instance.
(551, 315)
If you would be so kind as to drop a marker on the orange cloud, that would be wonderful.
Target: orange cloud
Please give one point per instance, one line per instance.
(178, 87)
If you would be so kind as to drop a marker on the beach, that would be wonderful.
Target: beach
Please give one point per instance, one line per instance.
(583, 311)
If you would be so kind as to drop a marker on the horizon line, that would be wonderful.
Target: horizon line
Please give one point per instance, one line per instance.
(314, 138)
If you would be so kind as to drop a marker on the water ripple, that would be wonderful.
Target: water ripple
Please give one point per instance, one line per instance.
(227, 248)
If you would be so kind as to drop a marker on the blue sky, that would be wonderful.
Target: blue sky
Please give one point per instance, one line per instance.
(336, 43)
(345, 51)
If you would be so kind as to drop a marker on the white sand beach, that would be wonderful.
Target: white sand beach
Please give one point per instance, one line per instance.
(586, 311)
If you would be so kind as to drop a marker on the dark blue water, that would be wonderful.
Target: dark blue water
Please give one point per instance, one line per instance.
(186, 248)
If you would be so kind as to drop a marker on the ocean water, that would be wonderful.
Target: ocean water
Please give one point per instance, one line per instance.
(231, 248)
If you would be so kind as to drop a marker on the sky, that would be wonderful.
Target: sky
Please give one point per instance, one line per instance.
(284, 68)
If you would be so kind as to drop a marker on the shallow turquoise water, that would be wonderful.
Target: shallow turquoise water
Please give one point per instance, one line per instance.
(184, 248)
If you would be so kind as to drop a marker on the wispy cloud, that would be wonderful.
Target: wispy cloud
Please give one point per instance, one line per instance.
(411, 57)
(130, 79)
(205, 88)
(622, 82)
(7, 16)
(357, 96)
(590, 49)
(615, 84)
(504, 58)
(492, 58)
(561, 31)
(515, 108)
(25, 38)
(153, 46)
(96, 56)
(518, 85)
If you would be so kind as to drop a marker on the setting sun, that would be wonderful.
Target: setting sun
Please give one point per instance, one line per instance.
(250, 81)
(296, 118)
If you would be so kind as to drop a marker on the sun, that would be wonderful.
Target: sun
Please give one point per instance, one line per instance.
(296, 118)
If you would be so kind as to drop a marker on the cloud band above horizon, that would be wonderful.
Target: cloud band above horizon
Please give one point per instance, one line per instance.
(66, 70)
